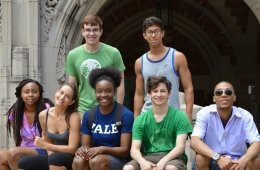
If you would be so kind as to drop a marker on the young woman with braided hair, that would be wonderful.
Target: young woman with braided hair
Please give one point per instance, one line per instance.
(23, 122)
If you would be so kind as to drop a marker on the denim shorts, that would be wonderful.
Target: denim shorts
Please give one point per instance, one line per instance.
(41, 151)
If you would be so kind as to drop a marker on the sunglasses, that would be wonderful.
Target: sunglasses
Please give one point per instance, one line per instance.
(220, 92)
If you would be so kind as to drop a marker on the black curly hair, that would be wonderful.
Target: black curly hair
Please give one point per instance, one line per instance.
(17, 111)
(108, 73)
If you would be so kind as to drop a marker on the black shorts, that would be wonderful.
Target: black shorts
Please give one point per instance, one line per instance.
(42, 162)
(33, 162)
(61, 159)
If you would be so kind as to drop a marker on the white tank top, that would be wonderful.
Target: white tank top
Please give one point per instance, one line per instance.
(163, 67)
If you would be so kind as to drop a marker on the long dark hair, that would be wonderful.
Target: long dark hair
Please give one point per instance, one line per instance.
(17, 110)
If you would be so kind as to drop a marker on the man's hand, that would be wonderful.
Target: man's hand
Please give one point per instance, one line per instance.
(161, 164)
(224, 163)
(239, 164)
(146, 165)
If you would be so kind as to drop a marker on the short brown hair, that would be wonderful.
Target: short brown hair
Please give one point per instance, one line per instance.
(153, 82)
(92, 20)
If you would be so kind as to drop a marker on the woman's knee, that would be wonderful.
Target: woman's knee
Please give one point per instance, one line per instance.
(13, 152)
(16, 153)
(101, 161)
(4, 156)
(79, 164)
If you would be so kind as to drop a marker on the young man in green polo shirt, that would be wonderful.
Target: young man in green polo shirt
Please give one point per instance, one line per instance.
(162, 131)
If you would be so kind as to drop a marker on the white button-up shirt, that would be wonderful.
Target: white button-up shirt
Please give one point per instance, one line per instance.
(230, 140)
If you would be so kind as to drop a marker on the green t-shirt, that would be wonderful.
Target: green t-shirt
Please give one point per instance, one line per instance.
(161, 136)
(79, 63)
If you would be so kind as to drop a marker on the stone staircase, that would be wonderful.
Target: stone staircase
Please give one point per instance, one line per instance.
(189, 152)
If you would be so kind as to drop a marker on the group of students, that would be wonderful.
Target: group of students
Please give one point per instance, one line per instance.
(48, 136)
(52, 136)
(40, 127)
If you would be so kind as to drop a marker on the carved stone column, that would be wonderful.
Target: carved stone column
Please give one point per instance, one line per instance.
(5, 65)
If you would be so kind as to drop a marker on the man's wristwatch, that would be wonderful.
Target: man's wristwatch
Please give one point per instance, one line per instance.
(216, 156)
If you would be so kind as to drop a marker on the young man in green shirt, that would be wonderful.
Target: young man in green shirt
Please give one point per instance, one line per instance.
(162, 131)
(91, 55)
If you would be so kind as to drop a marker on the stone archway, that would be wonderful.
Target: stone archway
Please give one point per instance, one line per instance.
(61, 27)
(254, 6)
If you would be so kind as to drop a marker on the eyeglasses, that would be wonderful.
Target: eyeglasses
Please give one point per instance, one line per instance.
(220, 92)
(88, 31)
(155, 32)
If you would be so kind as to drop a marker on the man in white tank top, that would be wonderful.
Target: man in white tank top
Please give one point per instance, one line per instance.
(164, 61)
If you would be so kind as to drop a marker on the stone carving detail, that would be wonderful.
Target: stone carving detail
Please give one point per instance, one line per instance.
(80, 2)
(48, 13)
(61, 59)
(20, 61)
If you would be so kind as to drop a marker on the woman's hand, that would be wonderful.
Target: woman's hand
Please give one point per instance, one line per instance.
(92, 152)
(81, 153)
(40, 142)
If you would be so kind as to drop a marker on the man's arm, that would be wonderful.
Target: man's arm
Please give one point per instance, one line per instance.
(137, 155)
(120, 94)
(72, 79)
(185, 76)
(203, 149)
(251, 153)
(139, 89)
(175, 152)
(200, 147)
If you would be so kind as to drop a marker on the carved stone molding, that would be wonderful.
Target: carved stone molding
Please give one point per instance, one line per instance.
(20, 61)
(80, 2)
(61, 58)
(61, 61)
(48, 14)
